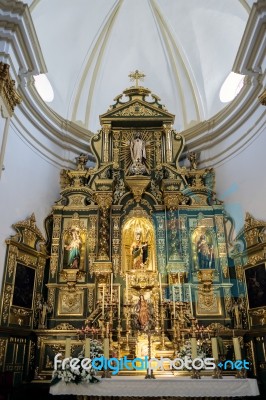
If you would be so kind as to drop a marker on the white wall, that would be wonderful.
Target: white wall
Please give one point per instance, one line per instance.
(28, 184)
(241, 182)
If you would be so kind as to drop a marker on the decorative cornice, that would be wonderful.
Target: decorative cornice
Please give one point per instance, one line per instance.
(16, 27)
(228, 124)
(251, 52)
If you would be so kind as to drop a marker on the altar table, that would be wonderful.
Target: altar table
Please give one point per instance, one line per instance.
(174, 387)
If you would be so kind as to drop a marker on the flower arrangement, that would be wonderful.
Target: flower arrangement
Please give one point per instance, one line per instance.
(96, 348)
(186, 351)
(79, 374)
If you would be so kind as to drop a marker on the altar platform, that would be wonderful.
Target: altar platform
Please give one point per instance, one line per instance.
(161, 387)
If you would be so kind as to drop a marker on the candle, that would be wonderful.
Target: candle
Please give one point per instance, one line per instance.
(68, 348)
(112, 281)
(160, 283)
(126, 289)
(237, 349)
(174, 299)
(87, 347)
(215, 352)
(194, 352)
(119, 310)
(103, 303)
(106, 348)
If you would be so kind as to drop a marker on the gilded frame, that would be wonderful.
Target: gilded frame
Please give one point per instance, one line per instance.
(206, 297)
(70, 303)
(256, 286)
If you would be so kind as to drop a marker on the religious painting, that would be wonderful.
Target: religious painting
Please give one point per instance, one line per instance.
(203, 248)
(24, 286)
(256, 286)
(138, 248)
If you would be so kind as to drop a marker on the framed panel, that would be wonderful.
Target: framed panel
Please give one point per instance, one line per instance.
(208, 303)
(70, 303)
(256, 286)
(48, 350)
(23, 286)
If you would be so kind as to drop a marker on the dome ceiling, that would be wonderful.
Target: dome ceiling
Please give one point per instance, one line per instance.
(186, 49)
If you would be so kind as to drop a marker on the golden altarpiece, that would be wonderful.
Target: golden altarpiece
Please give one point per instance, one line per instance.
(138, 248)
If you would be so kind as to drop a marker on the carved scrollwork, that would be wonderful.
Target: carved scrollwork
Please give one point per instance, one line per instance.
(64, 326)
(6, 302)
(3, 344)
(253, 260)
(137, 109)
(8, 89)
(11, 263)
(239, 273)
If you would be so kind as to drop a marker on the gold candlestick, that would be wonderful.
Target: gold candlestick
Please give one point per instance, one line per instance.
(103, 304)
(162, 327)
(68, 348)
(119, 305)
(119, 329)
(160, 285)
(217, 372)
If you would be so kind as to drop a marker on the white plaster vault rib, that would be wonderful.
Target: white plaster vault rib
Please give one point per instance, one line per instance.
(97, 51)
(169, 42)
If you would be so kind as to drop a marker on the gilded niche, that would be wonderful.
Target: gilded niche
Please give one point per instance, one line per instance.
(74, 240)
(138, 244)
(203, 248)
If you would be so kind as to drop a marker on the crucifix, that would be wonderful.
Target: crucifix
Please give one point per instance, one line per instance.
(136, 76)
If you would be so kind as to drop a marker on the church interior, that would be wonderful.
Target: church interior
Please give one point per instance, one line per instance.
(132, 183)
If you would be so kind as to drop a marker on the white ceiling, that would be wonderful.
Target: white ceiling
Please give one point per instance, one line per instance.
(186, 48)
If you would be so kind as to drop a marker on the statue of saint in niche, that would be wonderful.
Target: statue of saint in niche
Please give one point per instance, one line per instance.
(205, 253)
(74, 248)
(142, 312)
(139, 251)
(138, 245)
(138, 155)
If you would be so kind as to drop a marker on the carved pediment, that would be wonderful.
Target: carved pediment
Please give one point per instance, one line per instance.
(28, 233)
(251, 222)
(137, 109)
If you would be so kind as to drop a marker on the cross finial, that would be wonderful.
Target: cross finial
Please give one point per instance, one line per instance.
(136, 76)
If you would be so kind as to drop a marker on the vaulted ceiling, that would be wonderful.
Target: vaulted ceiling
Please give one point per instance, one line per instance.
(186, 49)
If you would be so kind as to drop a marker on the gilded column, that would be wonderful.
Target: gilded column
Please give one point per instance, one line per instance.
(106, 132)
(92, 235)
(55, 244)
(116, 244)
(104, 200)
(116, 136)
(158, 149)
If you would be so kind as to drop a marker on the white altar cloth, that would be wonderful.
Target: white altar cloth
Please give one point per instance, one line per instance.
(161, 386)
